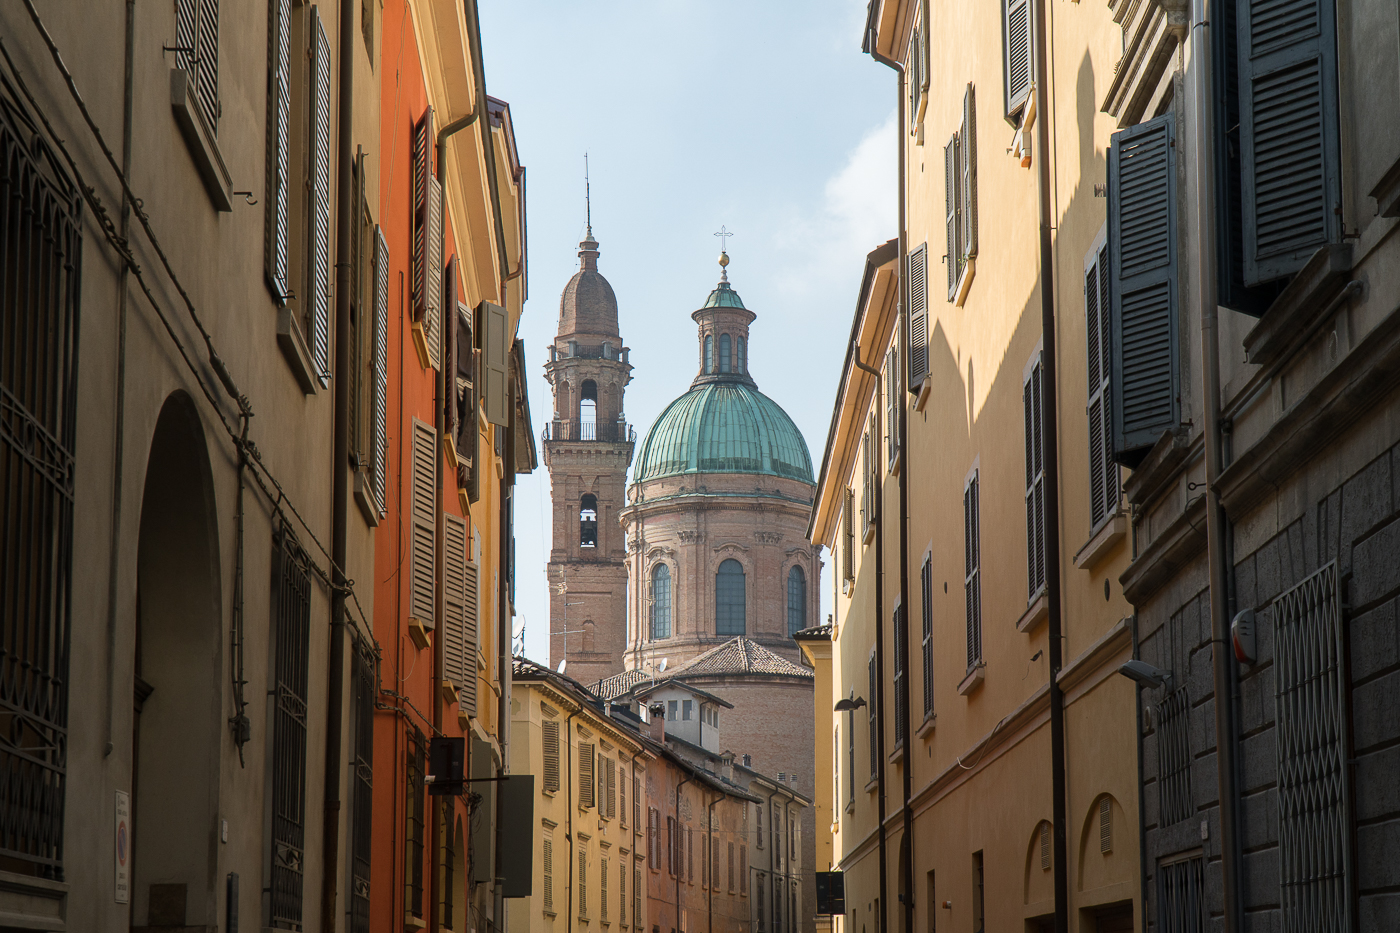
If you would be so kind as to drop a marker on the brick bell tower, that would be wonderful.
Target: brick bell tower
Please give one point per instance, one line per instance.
(587, 450)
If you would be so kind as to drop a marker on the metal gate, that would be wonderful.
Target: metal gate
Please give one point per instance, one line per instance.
(291, 633)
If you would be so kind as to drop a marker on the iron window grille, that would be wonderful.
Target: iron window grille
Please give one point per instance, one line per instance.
(40, 258)
(1181, 896)
(413, 811)
(1314, 805)
(1174, 756)
(363, 685)
(291, 633)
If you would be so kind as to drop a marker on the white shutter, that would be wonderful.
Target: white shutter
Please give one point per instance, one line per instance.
(279, 111)
(456, 666)
(379, 366)
(422, 512)
(319, 277)
(495, 344)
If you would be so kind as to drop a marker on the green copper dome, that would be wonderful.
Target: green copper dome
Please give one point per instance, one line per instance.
(724, 296)
(724, 427)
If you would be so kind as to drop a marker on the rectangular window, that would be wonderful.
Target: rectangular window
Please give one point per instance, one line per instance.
(690, 854)
(874, 726)
(427, 245)
(586, 785)
(622, 793)
(952, 198)
(1181, 896)
(1017, 64)
(893, 399)
(869, 445)
(901, 676)
(686, 709)
(423, 509)
(848, 538)
(636, 800)
(967, 167)
(672, 708)
(364, 695)
(972, 579)
(672, 847)
(277, 215)
(379, 377)
(549, 736)
(622, 890)
(653, 839)
(548, 882)
(291, 633)
(758, 816)
(932, 901)
(916, 74)
(926, 608)
(318, 250)
(610, 769)
(457, 664)
(979, 903)
(582, 884)
(1103, 470)
(1143, 286)
(637, 898)
(760, 906)
(744, 870)
(471, 646)
(917, 356)
(1034, 410)
(1174, 757)
(714, 864)
(704, 860)
(603, 890)
(197, 53)
(414, 792)
(731, 868)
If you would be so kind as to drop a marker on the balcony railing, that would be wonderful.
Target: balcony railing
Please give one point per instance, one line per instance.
(617, 432)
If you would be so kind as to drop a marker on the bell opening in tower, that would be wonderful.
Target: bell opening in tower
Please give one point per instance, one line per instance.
(588, 411)
(588, 521)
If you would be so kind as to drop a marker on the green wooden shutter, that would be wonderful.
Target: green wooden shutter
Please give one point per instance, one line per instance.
(918, 317)
(1016, 54)
(1143, 323)
(967, 137)
(495, 345)
(279, 111)
(952, 188)
(1290, 161)
(379, 364)
(319, 274)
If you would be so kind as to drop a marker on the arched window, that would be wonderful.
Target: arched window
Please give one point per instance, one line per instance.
(588, 411)
(741, 363)
(588, 521)
(724, 353)
(661, 602)
(709, 354)
(729, 598)
(797, 600)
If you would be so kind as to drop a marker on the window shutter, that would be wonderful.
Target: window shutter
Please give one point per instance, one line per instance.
(454, 585)
(197, 41)
(495, 345)
(653, 842)
(548, 859)
(972, 582)
(611, 767)
(427, 243)
(432, 324)
(471, 610)
(731, 866)
(379, 363)
(359, 315)
(1016, 54)
(1103, 470)
(586, 784)
(424, 507)
(319, 273)
(1035, 478)
(450, 349)
(918, 317)
(848, 560)
(744, 870)
(549, 739)
(926, 597)
(967, 137)
(1290, 166)
(603, 890)
(1142, 230)
(279, 116)
(874, 751)
(951, 189)
(582, 883)
(893, 399)
(900, 676)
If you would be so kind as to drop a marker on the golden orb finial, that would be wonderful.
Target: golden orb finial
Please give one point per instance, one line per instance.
(723, 258)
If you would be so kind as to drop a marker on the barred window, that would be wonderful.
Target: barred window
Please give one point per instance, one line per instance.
(413, 832)
(291, 633)
(1181, 896)
(1174, 756)
(364, 691)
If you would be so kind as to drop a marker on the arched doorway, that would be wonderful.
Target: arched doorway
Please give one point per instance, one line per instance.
(179, 721)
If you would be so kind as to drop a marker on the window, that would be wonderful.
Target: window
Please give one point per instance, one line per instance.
(588, 521)
(549, 734)
(423, 509)
(622, 792)
(197, 53)
(709, 353)
(468, 369)
(364, 694)
(874, 726)
(587, 790)
(704, 860)
(661, 602)
(653, 840)
(868, 505)
(848, 538)
(636, 799)
(760, 906)
(687, 706)
(415, 793)
(1016, 56)
(622, 889)
(673, 855)
(836, 759)
(851, 761)
(742, 361)
(758, 813)
(427, 245)
(1103, 470)
(731, 868)
(1034, 412)
(291, 632)
(960, 197)
(932, 901)
(588, 411)
(637, 898)
(729, 598)
(796, 600)
(901, 675)
(378, 453)
(744, 870)
(979, 904)
(603, 890)
(917, 75)
(42, 223)
(724, 346)
(1143, 286)
(893, 397)
(459, 613)
(610, 772)
(1181, 896)
(917, 357)
(926, 607)
(447, 854)
(1174, 757)
(672, 708)
(972, 580)
(582, 883)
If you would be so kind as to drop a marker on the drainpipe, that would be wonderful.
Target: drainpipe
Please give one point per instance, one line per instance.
(675, 841)
(488, 146)
(503, 638)
(872, 46)
(1216, 521)
(340, 459)
(1051, 468)
(569, 818)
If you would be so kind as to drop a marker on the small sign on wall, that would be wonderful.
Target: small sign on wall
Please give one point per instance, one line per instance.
(123, 847)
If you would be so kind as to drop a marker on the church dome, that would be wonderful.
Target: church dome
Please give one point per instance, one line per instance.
(724, 427)
(588, 304)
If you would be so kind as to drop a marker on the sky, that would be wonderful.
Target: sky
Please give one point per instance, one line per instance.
(759, 115)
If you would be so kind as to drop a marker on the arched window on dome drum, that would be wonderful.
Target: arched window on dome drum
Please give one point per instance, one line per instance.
(741, 362)
(588, 411)
(797, 600)
(661, 602)
(724, 353)
(709, 354)
(729, 598)
(588, 521)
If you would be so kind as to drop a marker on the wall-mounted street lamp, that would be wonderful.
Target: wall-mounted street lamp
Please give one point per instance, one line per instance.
(849, 704)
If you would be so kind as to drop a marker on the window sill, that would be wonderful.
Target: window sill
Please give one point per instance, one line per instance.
(926, 728)
(418, 632)
(897, 461)
(868, 533)
(1036, 613)
(925, 390)
(200, 139)
(873, 785)
(1289, 320)
(1103, 542)
(965, 281)
(293, 344)
(364, 496)
(420, 343)
(1387, 192)
(550, 913)
(411, 922)
(451, 447)
(33, 903)
(449, 691)
(897, 755)
(973, 680)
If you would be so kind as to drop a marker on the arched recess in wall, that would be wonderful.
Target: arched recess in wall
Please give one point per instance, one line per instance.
(730, 596)
(588, 521)
(1039, 885)
(1099, 839)
(589, 636)
(588, 410)
(741, 357)
(179, 673)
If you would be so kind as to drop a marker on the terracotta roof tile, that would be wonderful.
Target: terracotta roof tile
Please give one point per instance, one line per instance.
(740, 655)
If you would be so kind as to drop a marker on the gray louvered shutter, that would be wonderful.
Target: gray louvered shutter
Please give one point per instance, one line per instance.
(1290, 167)
(197, 52)
(1143, 323)
(319, 274)
(1103, 470)
(1034, 411)
(359, 317)
(432, 323)
(422, 175)
(918, 317)
(967, 137)
(379, 364)
(549, 739)
(495, 346)
(279, 115)
(450, 349)
(952, 188)
(454, 586)
(1016, 53)
(423, 509)
(471, 624)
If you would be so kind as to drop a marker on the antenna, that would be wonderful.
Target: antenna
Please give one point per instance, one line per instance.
(587, 197)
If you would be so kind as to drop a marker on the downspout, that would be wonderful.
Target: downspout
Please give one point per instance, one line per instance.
(677, 862)
(1141, 801)
(872, 46)
(340, 459)
(488, 146)
(503, 636)
(569, 818)
(1216, 522)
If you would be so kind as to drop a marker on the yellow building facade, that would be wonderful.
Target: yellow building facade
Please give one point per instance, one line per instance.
(970, 501)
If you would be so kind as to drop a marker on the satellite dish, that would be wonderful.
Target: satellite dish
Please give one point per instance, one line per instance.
(664, 662)
(520, 627)
(563, 664)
